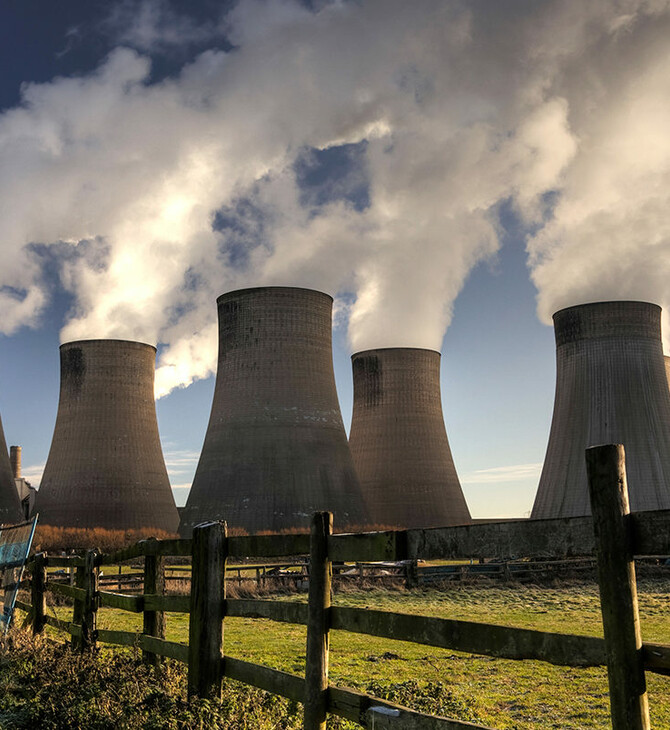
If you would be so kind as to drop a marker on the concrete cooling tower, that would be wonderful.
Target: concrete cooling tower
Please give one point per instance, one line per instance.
(399, 442)
(611, 387)
(276, 449)
(105, 466)
(10, 505)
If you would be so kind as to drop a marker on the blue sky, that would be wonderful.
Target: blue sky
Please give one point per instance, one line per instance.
(451, 172)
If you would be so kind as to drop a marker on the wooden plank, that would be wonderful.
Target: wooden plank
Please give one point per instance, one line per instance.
(606, 470)
(271, 680)
(151, 644)
(169, 649)
(154, 585)
(268, 546)
(150, 546)
(27, 607)
(471, 637)
(120, 556)
(205, 636)
(38, 593)
(114, 578)
(66, 626)
(564, 537)
(173, 548)
(174, 604)
(366, 546)
(656, 658)
(318, 619)
(66, 590)
(60, 562)
(121, 638)
(359, 708)
(291, 613)
(134, 604)
(649, 532)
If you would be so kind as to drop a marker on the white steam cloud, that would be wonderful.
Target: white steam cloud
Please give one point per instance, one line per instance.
(151, 199)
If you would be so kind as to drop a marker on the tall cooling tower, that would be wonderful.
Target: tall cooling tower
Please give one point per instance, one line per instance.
(611, 387)
(105, 466)
(276, 449)
(10, 505)
(399, 441)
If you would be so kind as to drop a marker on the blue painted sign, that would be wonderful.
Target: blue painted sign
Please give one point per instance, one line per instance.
(15, 542)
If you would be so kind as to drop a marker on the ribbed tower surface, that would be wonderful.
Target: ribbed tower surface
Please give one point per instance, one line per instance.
(611, 387)
(10, 505)
(399, 442)
(276, 449)
(106, 466)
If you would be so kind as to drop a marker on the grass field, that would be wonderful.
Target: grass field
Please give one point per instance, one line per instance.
(494, 692)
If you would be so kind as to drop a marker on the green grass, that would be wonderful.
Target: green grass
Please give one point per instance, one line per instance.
(494, 692)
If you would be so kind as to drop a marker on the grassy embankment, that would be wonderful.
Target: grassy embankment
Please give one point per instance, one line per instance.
(518, 695)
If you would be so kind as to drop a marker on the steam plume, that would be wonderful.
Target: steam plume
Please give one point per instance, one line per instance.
(154, 198)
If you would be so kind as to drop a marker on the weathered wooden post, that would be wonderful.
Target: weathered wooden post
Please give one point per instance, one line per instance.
(318, 623)
(85, 608)
(208, 593)
(411, 573)
(606, 468)
(154, 584)
(38, 592)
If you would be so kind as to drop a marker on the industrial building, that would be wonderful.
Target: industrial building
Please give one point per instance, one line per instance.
(611, 387)
(105, 466)
(275, 450)
(27, 493)
(399, 441)
(11, 511)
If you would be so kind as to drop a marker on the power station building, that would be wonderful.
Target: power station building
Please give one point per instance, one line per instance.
(275, 450)
(11, 511)
(105, 466)
(399, 441)
(611, 387)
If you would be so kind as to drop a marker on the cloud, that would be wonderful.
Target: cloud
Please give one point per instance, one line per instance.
(503, 474)
(154, 26)
(32, 473)
(180, 463)
(608, 233)
(436, 114)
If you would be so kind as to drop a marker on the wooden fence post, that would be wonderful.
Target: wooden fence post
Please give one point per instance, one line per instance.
(318, 623)
(208, 593)
(38, 593)
(606, 467)
(85, 610)
(154, 583)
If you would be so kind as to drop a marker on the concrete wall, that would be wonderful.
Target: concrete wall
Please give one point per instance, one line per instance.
(275, 449)
(611, 387)
(105, 467)
(399, 442)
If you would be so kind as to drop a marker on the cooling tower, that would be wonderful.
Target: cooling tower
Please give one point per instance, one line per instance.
(105, 466)
(399, 442)
(275, 449)
(10, 505)
(611, 387)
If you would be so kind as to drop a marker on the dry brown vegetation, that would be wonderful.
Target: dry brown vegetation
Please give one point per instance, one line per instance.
(54, 539)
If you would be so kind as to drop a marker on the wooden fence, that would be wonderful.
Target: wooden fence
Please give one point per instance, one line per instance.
(613, 535)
